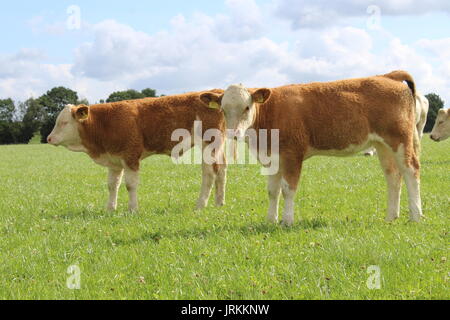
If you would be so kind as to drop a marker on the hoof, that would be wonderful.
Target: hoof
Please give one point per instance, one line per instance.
(390, 219)
(272, 220)
(199, 207)
(133, 210)
(416, 219)
(287, 223)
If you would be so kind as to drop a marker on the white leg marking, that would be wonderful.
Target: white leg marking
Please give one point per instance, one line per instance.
(208, 177)
(114, 180)
(393, 179)
(415, 202)
(274, 188)
(413, 186)
(132, 181)
(289, 197)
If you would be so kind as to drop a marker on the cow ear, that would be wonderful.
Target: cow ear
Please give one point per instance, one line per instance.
(261, 95)
(80, 113)
(211, 100)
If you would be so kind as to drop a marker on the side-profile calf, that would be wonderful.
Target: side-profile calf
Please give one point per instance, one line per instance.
(336, 119)
(441, 130)
(120, 135)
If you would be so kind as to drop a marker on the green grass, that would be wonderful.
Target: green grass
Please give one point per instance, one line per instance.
(52, 217)
(36, 139)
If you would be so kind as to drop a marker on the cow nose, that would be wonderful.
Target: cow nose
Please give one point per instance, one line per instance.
(49, 139)
(432, 138)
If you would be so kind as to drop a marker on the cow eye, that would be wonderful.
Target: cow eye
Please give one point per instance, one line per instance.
(247, 109)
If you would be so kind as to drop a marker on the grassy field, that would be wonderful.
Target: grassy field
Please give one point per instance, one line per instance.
(52, 217)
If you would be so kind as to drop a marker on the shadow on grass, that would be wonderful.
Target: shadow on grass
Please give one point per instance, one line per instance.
(99, 213)
(94, 214)
(246, 230)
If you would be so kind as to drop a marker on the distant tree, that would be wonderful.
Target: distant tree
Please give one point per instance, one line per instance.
(5, 133)
(131, 95)
(7, 110)
(32, 119)
(34, 112)
(436, 103)
(52, 103)
(56, 99)
(124, 95)
(83, 101)
(149, 93)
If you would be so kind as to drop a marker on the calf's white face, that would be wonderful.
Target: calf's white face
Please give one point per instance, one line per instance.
(441, 130)
(65, 133)
(238, 106)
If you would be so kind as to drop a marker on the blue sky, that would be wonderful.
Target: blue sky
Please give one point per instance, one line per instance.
(177, 46)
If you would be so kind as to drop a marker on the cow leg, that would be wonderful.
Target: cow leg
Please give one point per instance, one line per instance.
(221, 180)
(114, 180)
(274, 189)
(409, 165)
(393, 179)
(208, 176)
(132, 181)
(292, 168)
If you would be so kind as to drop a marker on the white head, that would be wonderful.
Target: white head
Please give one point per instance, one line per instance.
(441, 130)
(65, 133)
(238, 106)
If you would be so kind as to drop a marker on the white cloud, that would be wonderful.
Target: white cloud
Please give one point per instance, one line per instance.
(323, 13)
(27, 74)
(193, 56)
(202, 52)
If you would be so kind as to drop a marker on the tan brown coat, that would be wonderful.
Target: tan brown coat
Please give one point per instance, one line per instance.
(336, 119)
(120, 135)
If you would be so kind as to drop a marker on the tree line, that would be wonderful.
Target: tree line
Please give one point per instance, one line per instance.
(20, 121)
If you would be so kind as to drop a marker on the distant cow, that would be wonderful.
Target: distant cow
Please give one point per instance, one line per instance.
(337, 119)
(422, 107)
(120, 135)
(441, 130)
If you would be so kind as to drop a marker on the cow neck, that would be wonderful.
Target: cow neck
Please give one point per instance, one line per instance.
(89, 133)
(260, 117)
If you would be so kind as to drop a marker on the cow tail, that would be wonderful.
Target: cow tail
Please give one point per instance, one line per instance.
(404, 76)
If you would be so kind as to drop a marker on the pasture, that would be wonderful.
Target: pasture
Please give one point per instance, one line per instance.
(52, 217)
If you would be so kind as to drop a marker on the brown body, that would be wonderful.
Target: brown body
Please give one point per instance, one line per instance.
(336, 119)
(135, 129)
(119, 135)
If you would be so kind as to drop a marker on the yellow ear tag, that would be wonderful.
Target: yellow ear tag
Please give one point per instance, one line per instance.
(214, 105)
(260, 100)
